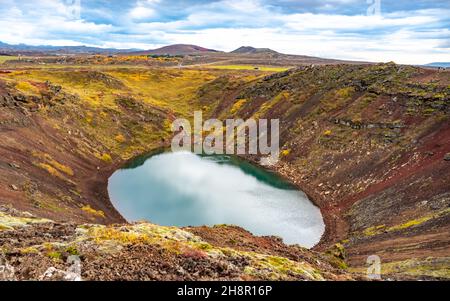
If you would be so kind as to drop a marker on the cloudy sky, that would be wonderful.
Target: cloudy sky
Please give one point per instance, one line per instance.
(404, 31)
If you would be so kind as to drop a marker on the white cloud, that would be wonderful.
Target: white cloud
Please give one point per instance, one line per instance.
(143, 10)
(400, 47)
(418, 36)
(310, 21)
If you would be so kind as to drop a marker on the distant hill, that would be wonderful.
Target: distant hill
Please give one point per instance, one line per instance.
(193, 54)
(46, 49)
(253, 50)
(177, 49)
(439, 64)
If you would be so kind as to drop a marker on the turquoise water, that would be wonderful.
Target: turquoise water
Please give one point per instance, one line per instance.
(184, 189)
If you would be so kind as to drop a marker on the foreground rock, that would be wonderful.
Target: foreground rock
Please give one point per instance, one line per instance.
(40, 249)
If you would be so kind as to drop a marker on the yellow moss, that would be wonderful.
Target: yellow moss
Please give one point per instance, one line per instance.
(48, 203)
(106, 158)
(336, 99)
(167, 125)
(29, 250)
(170, 89)
(345, 92)
(51, 165)
(5, 58)
(285, 152)
(51, 170)
(112, 238)
(373, 230)
(54, 255)
(238, 105)
(89, 117)
(90, 210)
(120, 138)
(102, 234)
(249, 67)
(283, 96)
(65, 169)
(72, 250)
(4, 227)
(408, 224)
(276, 268)
(27, 88)
(8, 222)
(428, 267)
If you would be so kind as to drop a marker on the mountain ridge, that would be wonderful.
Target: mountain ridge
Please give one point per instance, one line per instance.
(253, 50)
(49, 49)
(177, 49)
(439, 64)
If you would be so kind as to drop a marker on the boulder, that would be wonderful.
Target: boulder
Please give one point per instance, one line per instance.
(447, 157)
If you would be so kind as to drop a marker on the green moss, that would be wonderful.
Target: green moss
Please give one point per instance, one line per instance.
(435, 267)
(29, 250)
(238, 105)
(375, 230)
(337, 256)
(428, 111)
(8, 222)
(204, 246)
(5, 58)
(102, 234)
(72, 250)
(97, 213)
(54, 255)
(278, 268)
(5, 227)
(411, 223)
(106, 158)
(265, 107)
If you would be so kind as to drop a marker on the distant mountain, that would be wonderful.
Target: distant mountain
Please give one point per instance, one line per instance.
(46, 49)
(253, 50)
(439, 64)
(199, 55)
(177, 49)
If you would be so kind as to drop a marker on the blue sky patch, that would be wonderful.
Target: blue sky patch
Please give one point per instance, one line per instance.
(413, 32)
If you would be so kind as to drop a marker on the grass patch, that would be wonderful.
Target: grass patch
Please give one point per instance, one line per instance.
(5, 58)
(406, 225)
(27, 88)
(101, 234)
(238, 105)
(51, 170)
(52, 166)
(88, 209)
(249, 67)
(106, 158)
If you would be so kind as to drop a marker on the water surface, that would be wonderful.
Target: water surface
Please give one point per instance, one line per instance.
(184, 189)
